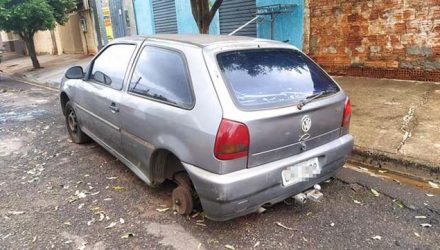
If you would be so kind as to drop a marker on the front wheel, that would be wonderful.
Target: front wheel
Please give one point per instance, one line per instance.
(75, 132)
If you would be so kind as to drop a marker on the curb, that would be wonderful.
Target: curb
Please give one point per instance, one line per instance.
(54, 86)
(402, 165)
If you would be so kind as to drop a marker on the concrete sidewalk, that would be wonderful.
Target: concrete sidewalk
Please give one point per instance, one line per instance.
(53, 68)
(396, 124)
(396, 121)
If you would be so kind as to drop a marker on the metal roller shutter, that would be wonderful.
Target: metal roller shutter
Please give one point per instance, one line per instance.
(235, 13)
(164, 12)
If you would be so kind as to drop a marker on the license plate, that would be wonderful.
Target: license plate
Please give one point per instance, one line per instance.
(300, 172)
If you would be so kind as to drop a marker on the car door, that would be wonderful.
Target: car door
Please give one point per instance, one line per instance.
(101, 92)
(158, 95)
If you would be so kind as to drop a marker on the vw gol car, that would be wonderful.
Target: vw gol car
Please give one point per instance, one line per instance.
(236, 122)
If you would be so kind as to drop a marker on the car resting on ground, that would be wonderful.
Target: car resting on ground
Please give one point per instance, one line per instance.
(236, 122)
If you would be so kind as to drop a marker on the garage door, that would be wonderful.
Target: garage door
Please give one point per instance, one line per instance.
(235, 13)
(164, 12)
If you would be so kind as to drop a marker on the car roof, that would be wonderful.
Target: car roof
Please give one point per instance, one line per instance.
(200, 40)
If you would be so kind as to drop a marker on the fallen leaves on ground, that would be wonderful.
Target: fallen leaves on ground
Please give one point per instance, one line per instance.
(118, 188)
(83, 246)
(212, 241)
(377, 237)
(420, 217)
(285, 227)
(374, 191)
(113, 224)
(433, 184)
(127, 235)
(101, 216)
(230, 247)
(162, 210)
(90, 222)
(425, 225)
(357, 202)
(78, 195)
(399, 204)
(16, 212)
(362, 169)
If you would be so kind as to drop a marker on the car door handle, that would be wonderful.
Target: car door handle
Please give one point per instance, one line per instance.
(113, 108)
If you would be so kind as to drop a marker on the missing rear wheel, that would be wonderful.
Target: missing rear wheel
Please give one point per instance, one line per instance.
(182, 200)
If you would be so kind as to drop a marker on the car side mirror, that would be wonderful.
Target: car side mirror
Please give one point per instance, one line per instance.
(75, 72)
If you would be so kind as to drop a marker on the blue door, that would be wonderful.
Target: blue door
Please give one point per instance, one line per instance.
(143, 10)
(282, 20)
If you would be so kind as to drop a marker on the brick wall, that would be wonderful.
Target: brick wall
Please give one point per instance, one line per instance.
(376, 38)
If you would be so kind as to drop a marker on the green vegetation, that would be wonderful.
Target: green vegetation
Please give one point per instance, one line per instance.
(26, 17)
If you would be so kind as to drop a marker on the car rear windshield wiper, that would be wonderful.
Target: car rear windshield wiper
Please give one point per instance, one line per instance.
(312, 97)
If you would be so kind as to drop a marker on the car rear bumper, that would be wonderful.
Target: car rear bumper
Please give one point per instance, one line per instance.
(227, 196)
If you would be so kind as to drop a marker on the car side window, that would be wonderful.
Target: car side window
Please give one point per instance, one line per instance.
(162, 74)
(110, 66)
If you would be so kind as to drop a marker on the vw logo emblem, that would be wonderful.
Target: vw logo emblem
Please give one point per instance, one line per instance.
(306, 123)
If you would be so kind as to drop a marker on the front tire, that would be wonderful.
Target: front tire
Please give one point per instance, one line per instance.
(75, 132)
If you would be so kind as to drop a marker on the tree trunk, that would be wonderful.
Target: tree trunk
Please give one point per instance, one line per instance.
(31, 50)
(204, 29)
(203, 15)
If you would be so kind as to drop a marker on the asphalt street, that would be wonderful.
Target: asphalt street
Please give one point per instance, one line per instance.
(56, 194)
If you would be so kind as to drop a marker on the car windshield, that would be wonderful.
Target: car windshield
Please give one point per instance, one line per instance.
(272, 78)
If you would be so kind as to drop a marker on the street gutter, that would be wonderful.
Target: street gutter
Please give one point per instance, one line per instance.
(398, 164)
(45, 85)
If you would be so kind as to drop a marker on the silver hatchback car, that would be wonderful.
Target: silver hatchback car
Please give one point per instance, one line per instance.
(236, 122)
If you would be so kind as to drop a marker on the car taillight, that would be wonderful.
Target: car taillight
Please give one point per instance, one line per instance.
(347, 113)
(232, 140)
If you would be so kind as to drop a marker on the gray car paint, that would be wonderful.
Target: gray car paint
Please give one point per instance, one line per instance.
(226, 188)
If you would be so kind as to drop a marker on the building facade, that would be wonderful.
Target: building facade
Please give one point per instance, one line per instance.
(375, 38)
(381, 38)
(281, 20)
(76, 36)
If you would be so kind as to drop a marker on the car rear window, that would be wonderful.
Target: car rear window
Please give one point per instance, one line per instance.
(272, 78)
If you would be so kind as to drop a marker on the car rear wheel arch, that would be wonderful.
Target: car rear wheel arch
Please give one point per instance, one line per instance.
(163, 165)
